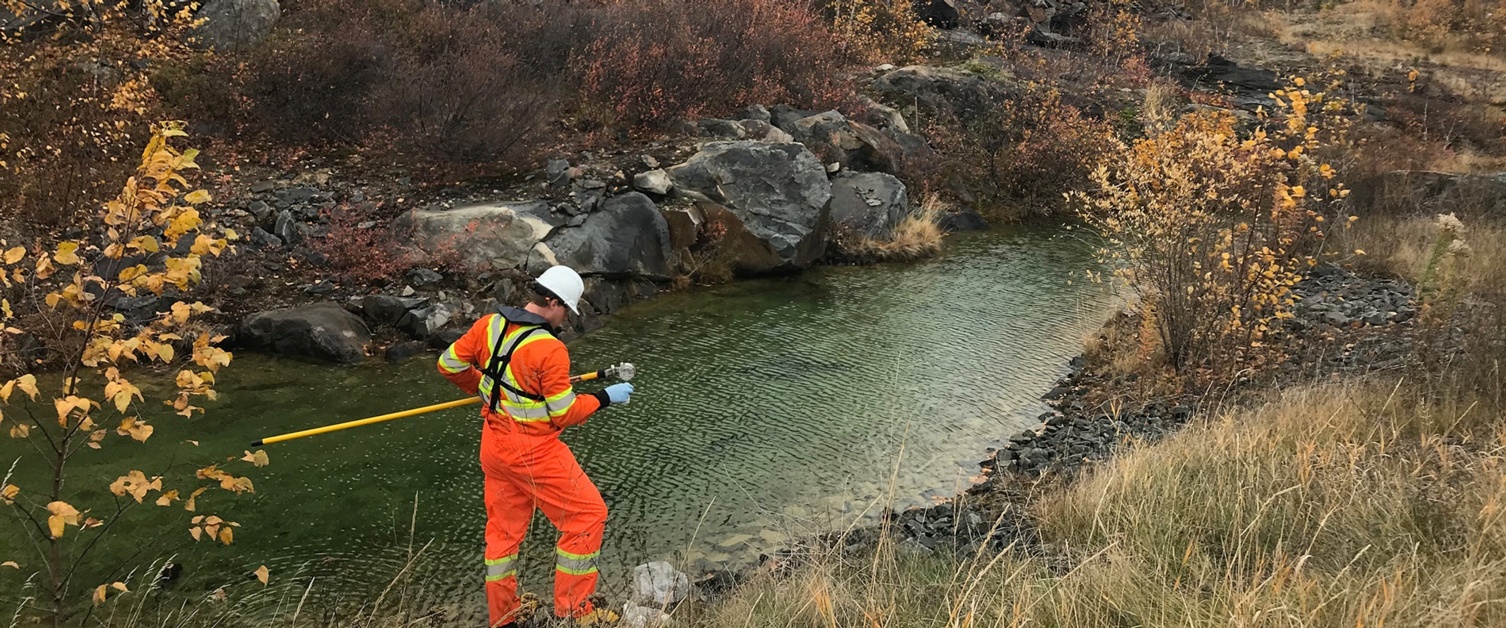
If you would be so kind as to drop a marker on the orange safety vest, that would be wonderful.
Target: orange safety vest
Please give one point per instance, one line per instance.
(521, 371)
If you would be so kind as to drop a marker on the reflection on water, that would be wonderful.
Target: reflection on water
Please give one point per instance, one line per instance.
(764, 409)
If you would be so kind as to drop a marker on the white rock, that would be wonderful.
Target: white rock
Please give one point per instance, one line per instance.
(635, 616)
(658, 583)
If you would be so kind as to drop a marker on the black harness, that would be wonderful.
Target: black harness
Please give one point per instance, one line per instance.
(496, 368)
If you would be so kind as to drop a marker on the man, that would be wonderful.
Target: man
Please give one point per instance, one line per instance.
(522, 373)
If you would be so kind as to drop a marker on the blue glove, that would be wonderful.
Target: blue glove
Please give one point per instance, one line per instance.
(619, 393)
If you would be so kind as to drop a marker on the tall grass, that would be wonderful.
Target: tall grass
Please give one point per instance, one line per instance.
(917, 236)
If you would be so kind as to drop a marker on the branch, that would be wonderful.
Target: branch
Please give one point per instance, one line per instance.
(109, 523)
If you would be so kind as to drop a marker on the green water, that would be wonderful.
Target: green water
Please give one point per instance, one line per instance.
(764, 409)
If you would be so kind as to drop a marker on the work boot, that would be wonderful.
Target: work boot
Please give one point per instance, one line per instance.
(598, 617)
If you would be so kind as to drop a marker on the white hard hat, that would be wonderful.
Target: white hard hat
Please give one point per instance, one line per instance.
(565, 283)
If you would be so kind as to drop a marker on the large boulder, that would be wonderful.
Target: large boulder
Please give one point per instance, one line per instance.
(939, 13)
(491, 236)
(236, 24)
(627, 237)
(944, 90)
(869, 204)
(323, 332)
(774, 198)
(856, 146)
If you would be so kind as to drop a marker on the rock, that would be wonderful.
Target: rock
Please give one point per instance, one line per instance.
(1042, 37)
(765, 132)
(262, 186)
(263, 213)
(773, 195)
(868, 204)
(784, 116)
(236, 24)
(684, 226)
(404, 350)
(834, 138)
(382, 309)
(1217, 71)
(424, 278)
(322, 287)
(557, 172)
(491, 236)
(962, 219)
(722, 129)
(288, 229)
(635, 616)
(265, 240)
(882, 116)
(757, 112)
(442, 339)
(660, 584)
(939, 13)
(425, 322)
(944, 90)
(323, 332)
(653, 182)
(540, 259)
(963, 42)
(628, 237)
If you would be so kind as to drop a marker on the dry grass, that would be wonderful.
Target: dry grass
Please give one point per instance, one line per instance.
(916, 237)
(1340, 505)
(1401, 246)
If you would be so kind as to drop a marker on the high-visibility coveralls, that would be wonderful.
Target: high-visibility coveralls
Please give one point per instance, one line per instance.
(527, 400)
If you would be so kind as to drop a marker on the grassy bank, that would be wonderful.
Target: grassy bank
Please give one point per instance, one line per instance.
(1356, 504)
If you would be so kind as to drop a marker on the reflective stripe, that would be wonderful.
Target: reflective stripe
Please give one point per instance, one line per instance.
(560, 405)
(575, 564)
(451, 363)
(499, 568)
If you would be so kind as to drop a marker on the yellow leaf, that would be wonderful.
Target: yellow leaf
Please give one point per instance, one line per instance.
(6, 390)
(14, 255)
(191, 504)
(195, 532)
(145, 243)
(120, 586)
(261, 574)
(9, 493)
(259, 458)
(167, 498)
(165, 351)
(61, 514)
(12, 564)
(196, 197)
(20, 430)
(28, 384)
(99, 594)
(67, 254)
(226, 536)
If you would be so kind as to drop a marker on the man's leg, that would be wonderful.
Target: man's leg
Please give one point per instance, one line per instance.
(575, 507)
(508, 509)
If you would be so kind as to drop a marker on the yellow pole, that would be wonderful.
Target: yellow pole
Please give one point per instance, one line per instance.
(458, 403)
(376, 419)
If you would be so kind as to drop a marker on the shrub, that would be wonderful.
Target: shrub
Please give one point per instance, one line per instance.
(917, 236)
(1210, 231)
(875, 30)
(1024, 154)
(362, 248)
(650, 62)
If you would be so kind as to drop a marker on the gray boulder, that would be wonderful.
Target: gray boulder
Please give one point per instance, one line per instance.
(963, 219)
(722, 129)
(323, 332)
(784, 116)
(882, 116)
(653, 182)
(773, 196)
(236, 24)
(684, 226)
(492, 236)
(869, 204)
(855, 146)
(382, 309)
(765, 132)
(627, 237)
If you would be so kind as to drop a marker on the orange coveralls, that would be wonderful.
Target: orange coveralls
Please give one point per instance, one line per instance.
(525, 464)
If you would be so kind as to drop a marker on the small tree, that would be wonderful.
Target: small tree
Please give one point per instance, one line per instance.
(149, 240)
(1211, 229)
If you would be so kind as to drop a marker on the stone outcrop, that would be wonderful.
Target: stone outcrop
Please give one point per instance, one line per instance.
(627, 238)
(236, 24)
(835, 139)
(943, 90)
(322, 332)
(493, 236)
(868, 204)
(773, 197)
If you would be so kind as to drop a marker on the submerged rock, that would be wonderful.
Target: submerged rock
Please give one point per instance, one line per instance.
(322, 331)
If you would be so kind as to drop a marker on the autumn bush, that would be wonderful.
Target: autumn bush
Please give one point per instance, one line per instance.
(1211, 229)
(150, 240)
(1022, 155)
(490, 83)
(879, 30)
(73, 105)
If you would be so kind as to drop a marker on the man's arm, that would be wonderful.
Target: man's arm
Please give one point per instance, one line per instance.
(549, 375)
(458, 363)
